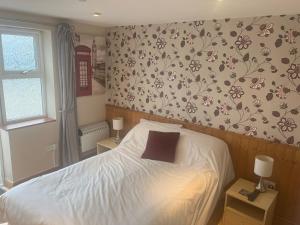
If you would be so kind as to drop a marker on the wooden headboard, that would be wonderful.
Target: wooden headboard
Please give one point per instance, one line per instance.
(243, 150)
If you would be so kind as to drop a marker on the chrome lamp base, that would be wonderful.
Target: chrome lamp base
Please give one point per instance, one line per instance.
(117, 139)
(261, 185)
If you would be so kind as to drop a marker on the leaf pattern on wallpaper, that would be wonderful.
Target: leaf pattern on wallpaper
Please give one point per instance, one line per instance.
(241, 75)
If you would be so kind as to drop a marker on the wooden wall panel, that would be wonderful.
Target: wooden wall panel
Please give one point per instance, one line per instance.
(243, 150)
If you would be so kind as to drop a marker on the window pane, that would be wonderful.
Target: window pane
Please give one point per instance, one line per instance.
(18, 52)
(22, 98)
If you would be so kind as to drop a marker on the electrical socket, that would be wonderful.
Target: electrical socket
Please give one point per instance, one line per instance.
(270, 184)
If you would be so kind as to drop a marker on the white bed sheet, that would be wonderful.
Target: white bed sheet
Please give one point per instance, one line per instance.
(118, 187)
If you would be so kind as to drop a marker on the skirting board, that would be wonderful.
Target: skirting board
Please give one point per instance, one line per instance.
(243, 150)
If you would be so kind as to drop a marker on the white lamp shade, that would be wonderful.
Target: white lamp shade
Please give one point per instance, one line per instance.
(118, 123)
(263, 166)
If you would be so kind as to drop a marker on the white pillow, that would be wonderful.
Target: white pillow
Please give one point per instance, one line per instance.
(139, 133)
(194, 148)
(168, 125)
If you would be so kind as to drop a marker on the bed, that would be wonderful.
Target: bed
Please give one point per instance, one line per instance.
(119, 187)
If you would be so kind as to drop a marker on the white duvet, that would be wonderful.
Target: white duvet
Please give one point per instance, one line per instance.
(120, 188)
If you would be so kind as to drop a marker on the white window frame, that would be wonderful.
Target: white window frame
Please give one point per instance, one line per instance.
(38, 73)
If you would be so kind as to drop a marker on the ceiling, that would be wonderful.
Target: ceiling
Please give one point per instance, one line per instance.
(131, 12)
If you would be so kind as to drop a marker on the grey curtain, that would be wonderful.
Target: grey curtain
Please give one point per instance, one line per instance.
(68, 127)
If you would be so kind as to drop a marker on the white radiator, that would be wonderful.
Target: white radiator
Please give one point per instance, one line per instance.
(91, 134)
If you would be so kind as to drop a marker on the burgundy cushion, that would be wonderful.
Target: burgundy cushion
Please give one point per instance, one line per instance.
(161, 146)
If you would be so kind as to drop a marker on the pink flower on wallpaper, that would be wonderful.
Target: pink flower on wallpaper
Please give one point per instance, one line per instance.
(211, 56)
(195, 65)
(142, 54)
(290, 37)
(281, 91)
(207, 100)
(191, 107)
(293, 51)
(236, 92)
(189, 39)
(243, 42)
(287, 124)
(171, 76)
(257, 102)
(130, 97)
(224, 108)
(266, 30)
(265, 51)
(131, 62)
(251, 131)
(273, 69)
(115, 70)
(158, 83)
(174, 34)
(231, 61)
(257, 83)
(198, 23)
(152, 60)
(283, 105)
(160, 43)
(294, 71)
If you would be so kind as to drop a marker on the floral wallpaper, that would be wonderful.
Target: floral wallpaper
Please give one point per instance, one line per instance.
(241, 75)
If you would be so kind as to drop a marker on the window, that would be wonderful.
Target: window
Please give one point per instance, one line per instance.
(22, 74)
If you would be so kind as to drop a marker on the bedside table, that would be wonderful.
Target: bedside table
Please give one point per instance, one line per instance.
(239, 211)
(105, 145)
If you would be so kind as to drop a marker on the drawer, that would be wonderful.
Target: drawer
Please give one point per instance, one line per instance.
(232, 218)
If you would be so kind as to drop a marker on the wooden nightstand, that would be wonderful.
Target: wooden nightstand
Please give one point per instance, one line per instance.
(239, 211)
(105, 145)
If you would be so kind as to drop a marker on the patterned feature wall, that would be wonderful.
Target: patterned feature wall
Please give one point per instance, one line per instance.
(241, 75)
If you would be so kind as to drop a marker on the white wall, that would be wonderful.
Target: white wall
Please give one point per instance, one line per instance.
(90, 109)
(27, 151)
(6, 155)
(31, 150)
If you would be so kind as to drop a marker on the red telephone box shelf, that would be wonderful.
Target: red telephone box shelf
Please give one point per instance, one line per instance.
(83, 68)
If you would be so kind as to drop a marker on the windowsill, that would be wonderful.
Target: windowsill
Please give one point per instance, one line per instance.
(27, 124)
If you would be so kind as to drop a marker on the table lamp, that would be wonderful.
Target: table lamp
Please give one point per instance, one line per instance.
(263, 167)
(118, 124)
